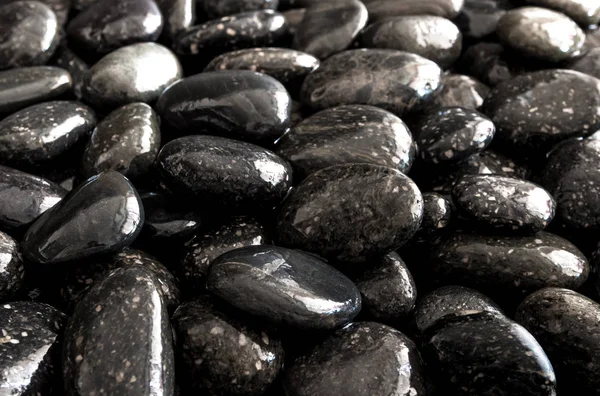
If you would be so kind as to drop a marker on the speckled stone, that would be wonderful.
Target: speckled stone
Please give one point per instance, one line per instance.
(431, 37)
(479, 18)
(460, 91)
(387, 289)
(230, 173)
(509, 266)
(25, 86)
(437, 213)
(393, 80)
(348, 134)
(245, 30)
(584, 12)
(450, 300)
(30, 348)
(363, 358)
(531, 31)
(327, 214)
(589, 63)
(380, 9)
(119, 340)
(284, 287)
(178, 16)
(127, 141)
(329, 27)
(135, 73)
(166, 219)
(451, 135)
(484, 353)
(79, 279)
(220, 8)
(24, 197)
(199, 252)
(12, 270)
(218, 103)
(538, 110)
(220, 355)
(566, 325)
(504, 203)
(288, 66)
(491, 63)
(43, 132)
(29, 34)
(76, 67)
(109, 24)
(102, 215)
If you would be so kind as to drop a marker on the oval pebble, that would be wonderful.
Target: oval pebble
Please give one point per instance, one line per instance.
(165, 219)
(584, 12)
(380, 9)
(285, 287)
(491, 63)
(437, 212)
(461, 91)
(77, 68)
(479, 18)
(60, 7)
(12, 269)
(178, 16)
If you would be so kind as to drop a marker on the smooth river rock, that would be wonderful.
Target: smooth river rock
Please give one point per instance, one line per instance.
(77, 68)
(12, 270)
(178, 16)
(437, 213)
(165, 219)
(60, 7)
(327, 214)
(479, 18)
(584, 12)
(284, 287)
(380, 9)
(461, 91)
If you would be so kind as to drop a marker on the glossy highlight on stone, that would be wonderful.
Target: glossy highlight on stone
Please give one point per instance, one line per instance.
(437, 213)
(479, 18)
(380, 9)
(166, 219)
(178, 16)
(584, 12)
(460, 91)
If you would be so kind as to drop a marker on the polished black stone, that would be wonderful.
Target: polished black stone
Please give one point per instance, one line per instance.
(478, 18)
(380, 9)
(220, 8)
(199, 252)
(127, 141)
(25, 86)
(80, 278)
(245, 30)
(76, 67)
(437, 213)
(450, 300)
(363, 358)
(431, 37)
(60, 7)
(589, 63)
(393, 80)
(566, 325)
(491, 63)
(135, 73)
(484, 353)
(329, 27)
(29, 34)
(12, 270)
(540, 109)
(586, 13)
(348, 134)
(288, 66)
(240, 104)
(119, 341)
(219, 355)
(387, 289)
(109, 24)
(460, 91)
(102, 215)
(285, 287)
(329, 215)
(532, 31)
(178, 16)
(24, 197)
(508, 266)
(504, 203)
(453, 134)
(166, 220)
(30, 348)
(230, 172)
(43, 132)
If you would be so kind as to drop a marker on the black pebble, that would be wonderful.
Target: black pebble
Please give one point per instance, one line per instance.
(380, 9)
(478, 18)
(178, 16)
(165, 219)
(12, 270)
(586, 13)
(77, 68)
(437, 213)
(460, 91)
(491, 63)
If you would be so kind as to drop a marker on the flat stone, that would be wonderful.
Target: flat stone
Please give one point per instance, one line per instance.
(450, 300)
(348, 134)
(538, 110)
(380, 9)
(12, 270)
(166, 219)
(231, 173)
(460, 91)
(285, 287)
(248, 359)
(77, 68)
(102, 215)
(29, 34)
(43, 132)
(504, 203)
(393, 80)
(503, 356)
(531, 31)
(127, 141)
(124, 313)
(329, 27)
(328, 215)
(478, 18)
(492, 64)
(25, 86)
(566, 325)
(107, 25)
(122, 76)
(437, 213)
(30, 348)
(589, 63)
(509, 266)
(217, 103)
(431, 37)
(178, 16)
(246, 30)
(585, 13)
(220, 8)
(363, 358)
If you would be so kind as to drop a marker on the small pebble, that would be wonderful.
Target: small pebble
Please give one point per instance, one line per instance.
(178, 16)
(584, 12)
(461, 91)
